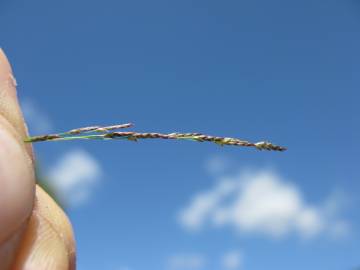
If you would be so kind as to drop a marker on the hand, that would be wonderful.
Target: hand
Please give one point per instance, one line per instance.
(35, 234)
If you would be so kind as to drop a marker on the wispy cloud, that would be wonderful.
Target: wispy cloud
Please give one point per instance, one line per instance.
(37, 120)
(232, 260)
(74, 176)
(216, 165)
(186, 262)
(261, 202)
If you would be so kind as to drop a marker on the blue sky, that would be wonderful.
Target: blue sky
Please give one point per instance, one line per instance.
(284, 71)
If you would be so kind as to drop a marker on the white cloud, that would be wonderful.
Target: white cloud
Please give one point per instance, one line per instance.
(204, 204)
(36, 119)
(217, 164)
(186, 262)
(233, 260)
(261, 202)
(74, 176)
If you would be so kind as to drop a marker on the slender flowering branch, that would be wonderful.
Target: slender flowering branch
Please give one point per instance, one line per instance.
(108, 133)
(95, 129)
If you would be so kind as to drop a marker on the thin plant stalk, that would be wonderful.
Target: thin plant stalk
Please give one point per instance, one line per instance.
(108, 133)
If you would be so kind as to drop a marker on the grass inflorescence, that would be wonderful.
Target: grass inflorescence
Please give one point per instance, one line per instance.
(109, 133)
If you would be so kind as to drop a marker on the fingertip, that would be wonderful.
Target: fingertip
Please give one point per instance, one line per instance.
(17, 182)
(51, 211)
(6, 74)
(4, 62)
(9, 104)
(49, 241)
(42, 248)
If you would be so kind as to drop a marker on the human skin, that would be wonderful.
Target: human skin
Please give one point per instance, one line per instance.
(35, 233)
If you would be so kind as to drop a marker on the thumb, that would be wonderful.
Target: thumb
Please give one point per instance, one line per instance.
(17, 184)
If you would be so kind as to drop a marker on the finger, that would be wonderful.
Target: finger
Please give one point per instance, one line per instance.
(48, 241)
(9, 105)
(17, 184)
